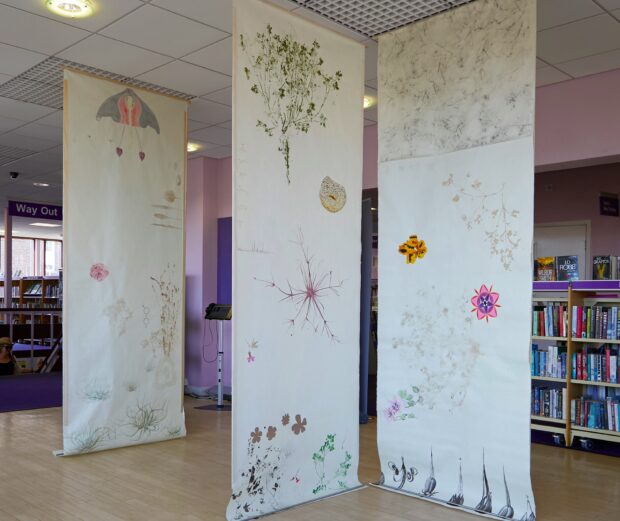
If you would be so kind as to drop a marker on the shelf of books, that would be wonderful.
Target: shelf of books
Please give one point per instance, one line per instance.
(575, 359)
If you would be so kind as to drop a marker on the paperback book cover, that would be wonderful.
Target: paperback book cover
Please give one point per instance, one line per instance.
(601, 267)
(545, 268)
(567, 267)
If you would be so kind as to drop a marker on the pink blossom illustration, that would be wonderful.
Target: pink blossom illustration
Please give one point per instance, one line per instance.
(308, 294)
(99, 272)
(250, 357)
(392, 411)
(485, 303)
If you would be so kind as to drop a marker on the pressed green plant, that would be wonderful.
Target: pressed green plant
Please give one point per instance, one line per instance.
(144, 419)
(90, 439)
(289, 76)
(319, 458)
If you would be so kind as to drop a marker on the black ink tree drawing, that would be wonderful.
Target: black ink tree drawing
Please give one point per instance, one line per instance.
(308, 295)
(289, 76)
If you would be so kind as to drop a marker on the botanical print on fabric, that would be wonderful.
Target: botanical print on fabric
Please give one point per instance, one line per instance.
(119, 314)
(333, 195)
(486, 210)
(309, 293)
(485, 303)
(413, 249)
(129, 110)
(289, 77)
(167, 213)
(399, 408)
(331, 478)
(99, 272)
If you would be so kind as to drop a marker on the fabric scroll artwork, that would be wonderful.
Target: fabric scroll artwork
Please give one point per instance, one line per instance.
(298, 123)
(124, 183)
(456, 221)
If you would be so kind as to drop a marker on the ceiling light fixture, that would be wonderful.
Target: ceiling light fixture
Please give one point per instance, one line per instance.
(40, 184)
(70, 8)
(369, 101)
(45, 225)
(193, 147)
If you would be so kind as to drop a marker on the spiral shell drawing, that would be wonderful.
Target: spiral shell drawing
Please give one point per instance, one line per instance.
(332, 194)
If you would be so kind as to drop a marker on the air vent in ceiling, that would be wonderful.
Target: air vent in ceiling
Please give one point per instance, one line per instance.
(42, 84)
(374, 17)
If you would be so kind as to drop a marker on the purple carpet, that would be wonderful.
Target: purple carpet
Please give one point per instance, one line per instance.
(30, 391)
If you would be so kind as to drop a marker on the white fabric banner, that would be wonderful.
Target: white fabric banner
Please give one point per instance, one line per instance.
(456, 184)
(124, 185)
(298, 124)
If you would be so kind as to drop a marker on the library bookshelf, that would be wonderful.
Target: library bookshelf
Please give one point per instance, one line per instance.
(574, 295)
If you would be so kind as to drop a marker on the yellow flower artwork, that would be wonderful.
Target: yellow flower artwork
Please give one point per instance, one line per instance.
(413, 249)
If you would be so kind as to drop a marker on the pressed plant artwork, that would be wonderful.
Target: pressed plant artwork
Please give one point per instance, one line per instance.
(399, 408)
(401, 474)
(333, 478)
(90, 439)
(99, 272)
(485, 303)
(97, 391)
(413, 249)
(119, 314)
(169, 293)
(333, 195)
(308, 294)
(290, 77)
(144, 419)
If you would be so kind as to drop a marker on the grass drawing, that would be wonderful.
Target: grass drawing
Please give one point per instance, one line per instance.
(319, 458)
(144, 419)
(90, 439)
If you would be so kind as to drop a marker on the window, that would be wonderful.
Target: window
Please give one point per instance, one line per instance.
(33, 257)
(53, 257)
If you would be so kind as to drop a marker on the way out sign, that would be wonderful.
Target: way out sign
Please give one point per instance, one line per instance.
(35, 210)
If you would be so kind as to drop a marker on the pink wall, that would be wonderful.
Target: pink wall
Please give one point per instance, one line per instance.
(573, 195)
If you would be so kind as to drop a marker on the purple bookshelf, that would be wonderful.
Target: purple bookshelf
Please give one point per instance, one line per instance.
(579, 285)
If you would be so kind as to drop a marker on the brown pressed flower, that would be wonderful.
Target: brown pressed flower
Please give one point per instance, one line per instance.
(285, 419)
(271, 432)
(256, 435)
(299, 426)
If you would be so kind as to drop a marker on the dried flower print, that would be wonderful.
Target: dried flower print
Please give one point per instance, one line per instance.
(271, 432)
(119, 314)
(289, 76)
(486, 210)
(485, 303)
(256, 435)
(333, 478)
(399, 408)
(308, 295)
(166, 336)
(413, 249)
(300, 425)
(99, 272)
(285, 419)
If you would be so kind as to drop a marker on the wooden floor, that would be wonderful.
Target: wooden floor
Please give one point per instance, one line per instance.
(188, 480)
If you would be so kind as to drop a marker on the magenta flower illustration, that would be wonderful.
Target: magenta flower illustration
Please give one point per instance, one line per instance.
(485, 303)
(99, 272)
(307, 295)
(393, 409)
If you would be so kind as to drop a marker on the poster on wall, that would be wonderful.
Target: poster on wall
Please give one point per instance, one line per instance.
(124, 202)
(298, 124)
(456, 184)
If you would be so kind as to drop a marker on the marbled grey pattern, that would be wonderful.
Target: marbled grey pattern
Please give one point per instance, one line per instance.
(459, 80)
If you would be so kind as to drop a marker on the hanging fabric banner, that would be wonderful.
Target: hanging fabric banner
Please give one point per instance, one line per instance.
(298, 124)
(124, 203)
(456, 184)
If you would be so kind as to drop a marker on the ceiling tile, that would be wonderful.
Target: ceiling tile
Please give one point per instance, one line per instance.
(592, 64)
(4, 78)
(195, 125)
(107, 11)
(162, 31)
(187, 78)
(371, 113)
(114, 56)
(559, 12)
(218, 135)
(27, 143)
(219, 153)
(36, 33)
(14, 61)
(223, 96)
(217, 57)
(368, 122)
(540, 64)
(7, 124)
(39, 131)
(549, 75)
(29, 167)
(329, 24)
(204, 146)
(285, 4)
(55, 119)
(225, 124)
(216, 13)
(371, 60)
(610, 4)
(23, 111)
(579, 39)
(209, 112)
(372, 83)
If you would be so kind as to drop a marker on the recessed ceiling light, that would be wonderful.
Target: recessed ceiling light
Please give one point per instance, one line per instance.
(374, 209)
(45, 225)
(40, 184)
(369, 101)
(193, 147)
(71, 8)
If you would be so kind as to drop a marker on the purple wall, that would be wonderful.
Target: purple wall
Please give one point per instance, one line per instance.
(573, 195)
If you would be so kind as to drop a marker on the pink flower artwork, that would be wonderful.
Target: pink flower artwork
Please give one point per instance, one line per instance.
(485, 303)
(250, 357)
(99, 272)
(392, 410)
